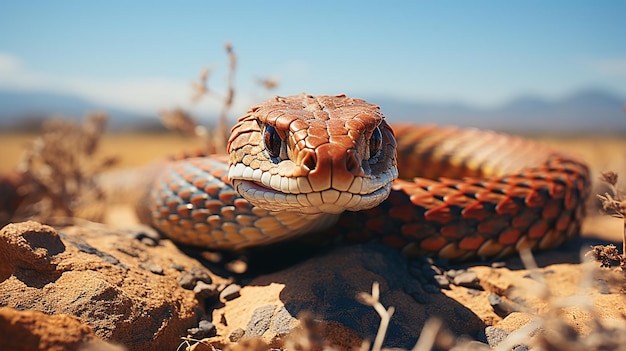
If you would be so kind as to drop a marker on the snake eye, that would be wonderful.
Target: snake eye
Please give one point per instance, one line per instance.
(376, 142)
(272, 141)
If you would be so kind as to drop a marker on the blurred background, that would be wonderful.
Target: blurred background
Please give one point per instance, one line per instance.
(554, 71)
(530, 67)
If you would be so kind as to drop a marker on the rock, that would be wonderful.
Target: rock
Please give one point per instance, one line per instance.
(146, 234)
(442, 281)
(498, 264)
(230, 292)
(189, 279)
(495, 335)
(236, 335)
(260, 320)
(33, 330)
(27, 251)
(204, 291)
(501, 307)
(156, 269)
(204, 329)
(327, 287)
(96, 275)
(467, 279)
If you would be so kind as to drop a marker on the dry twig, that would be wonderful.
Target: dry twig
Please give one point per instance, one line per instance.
(182, 121)
(385, 315)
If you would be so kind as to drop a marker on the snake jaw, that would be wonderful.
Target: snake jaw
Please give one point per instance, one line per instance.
(282, 194)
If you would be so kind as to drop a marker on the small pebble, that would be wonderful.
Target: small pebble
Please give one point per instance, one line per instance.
(467, 279)
(439, 262)
(203, 290)
(500, 307)
(142, 232)
(473, 292)
(177, 267)
(236, 335)
(214, 257)
(204, 330)
(442, 281)
(206, 325)
(149, 242)
(156, 269)
(128, 251)
(230, 292)
(237, 266)
(188, 280)
(454, 272)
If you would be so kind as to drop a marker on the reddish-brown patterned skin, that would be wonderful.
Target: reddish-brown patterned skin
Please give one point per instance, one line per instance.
(488, 194)
(464, 192)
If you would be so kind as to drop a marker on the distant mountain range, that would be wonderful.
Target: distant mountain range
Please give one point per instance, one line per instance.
(26, 110)
(592, 110)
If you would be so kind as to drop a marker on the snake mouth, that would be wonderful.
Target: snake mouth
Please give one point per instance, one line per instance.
(301, 198)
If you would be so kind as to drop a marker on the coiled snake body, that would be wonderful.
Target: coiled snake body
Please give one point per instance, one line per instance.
(304, 164)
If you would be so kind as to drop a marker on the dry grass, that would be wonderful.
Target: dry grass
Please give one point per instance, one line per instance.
(134, 149)
(613, 204)
(56, 173)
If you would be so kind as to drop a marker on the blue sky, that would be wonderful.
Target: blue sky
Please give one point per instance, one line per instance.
(142, 55)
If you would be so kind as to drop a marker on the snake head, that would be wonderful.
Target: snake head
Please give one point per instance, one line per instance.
(313, 154)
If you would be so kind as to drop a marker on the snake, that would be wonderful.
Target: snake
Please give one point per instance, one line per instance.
(331, 166)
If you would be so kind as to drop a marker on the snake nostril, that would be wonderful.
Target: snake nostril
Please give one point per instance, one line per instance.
(353, 165)
(309, 161)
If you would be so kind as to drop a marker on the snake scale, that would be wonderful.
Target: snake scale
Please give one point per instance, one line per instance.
(332, 165)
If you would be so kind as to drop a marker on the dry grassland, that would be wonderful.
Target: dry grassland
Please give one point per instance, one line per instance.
(602, 152)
